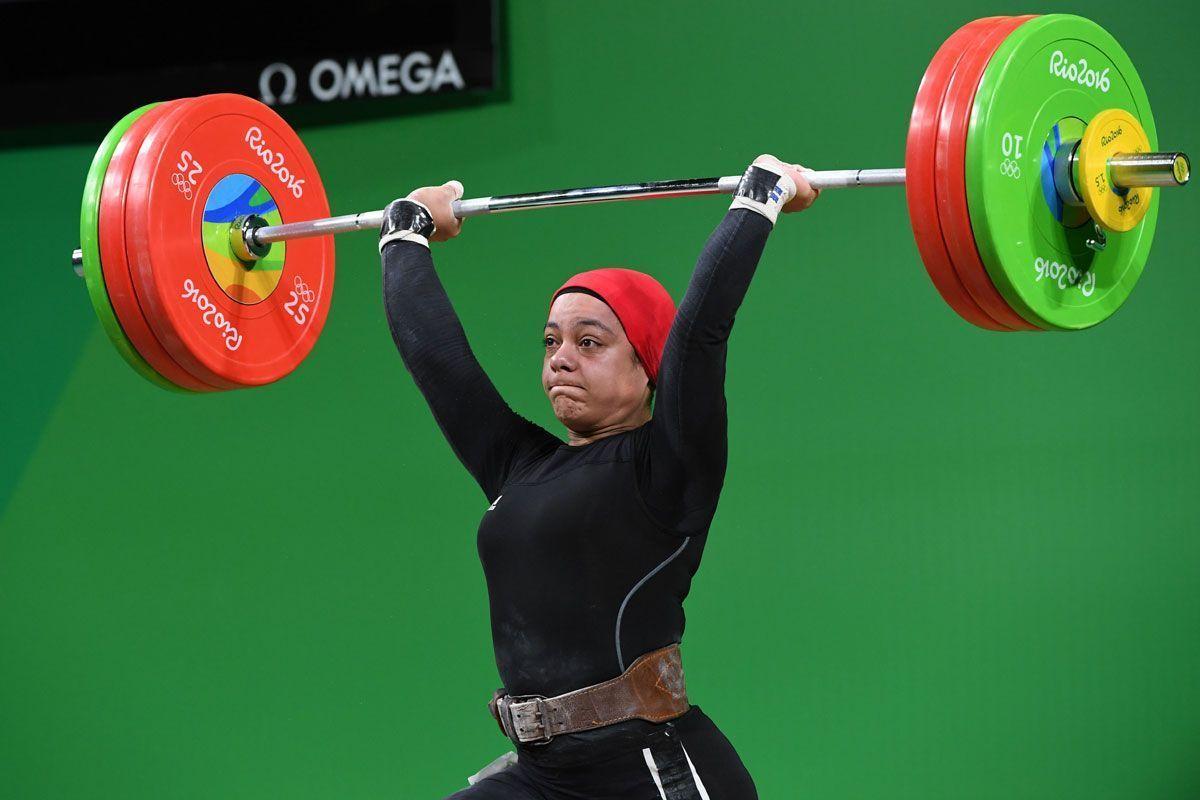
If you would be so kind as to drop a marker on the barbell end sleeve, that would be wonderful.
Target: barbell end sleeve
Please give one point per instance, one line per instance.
(1183, 169)
(1143, 170)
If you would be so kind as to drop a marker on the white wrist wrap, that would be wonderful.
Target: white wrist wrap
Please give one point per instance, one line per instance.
(412, 222)
(764, 191)
(403, 236)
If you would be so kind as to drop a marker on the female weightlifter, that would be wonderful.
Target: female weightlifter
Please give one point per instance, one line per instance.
(589, 547)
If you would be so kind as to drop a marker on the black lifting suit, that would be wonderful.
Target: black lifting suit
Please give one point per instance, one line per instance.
(589, 550)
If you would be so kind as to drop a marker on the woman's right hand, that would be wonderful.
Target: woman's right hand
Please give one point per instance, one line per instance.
(438, 199)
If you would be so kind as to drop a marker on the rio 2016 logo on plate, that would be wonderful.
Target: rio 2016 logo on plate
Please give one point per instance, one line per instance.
(1079, 72)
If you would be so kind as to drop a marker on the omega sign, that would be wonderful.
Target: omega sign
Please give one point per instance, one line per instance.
(374, 76)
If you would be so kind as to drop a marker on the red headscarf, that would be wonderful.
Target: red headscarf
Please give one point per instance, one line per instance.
(642, 305)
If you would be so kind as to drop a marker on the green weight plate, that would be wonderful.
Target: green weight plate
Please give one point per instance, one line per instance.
(93, 275)
(1050, 76)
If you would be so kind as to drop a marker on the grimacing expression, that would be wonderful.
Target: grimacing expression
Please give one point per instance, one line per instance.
(590, 371)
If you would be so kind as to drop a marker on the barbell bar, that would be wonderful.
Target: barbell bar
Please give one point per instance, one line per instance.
(1128, 171)
(256, 237)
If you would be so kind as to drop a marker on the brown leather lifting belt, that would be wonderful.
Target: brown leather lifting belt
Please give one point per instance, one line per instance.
(651, 689)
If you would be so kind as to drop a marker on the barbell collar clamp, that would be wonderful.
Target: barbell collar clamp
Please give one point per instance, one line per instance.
(242, 240)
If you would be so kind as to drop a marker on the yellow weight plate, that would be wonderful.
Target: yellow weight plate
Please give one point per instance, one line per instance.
(1110, 132)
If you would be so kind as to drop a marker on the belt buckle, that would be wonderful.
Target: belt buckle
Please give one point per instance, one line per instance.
(515, 723)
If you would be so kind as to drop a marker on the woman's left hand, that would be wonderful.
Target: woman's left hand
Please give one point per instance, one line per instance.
(805, 195)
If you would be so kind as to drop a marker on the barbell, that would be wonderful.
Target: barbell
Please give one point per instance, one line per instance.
(1031, 165)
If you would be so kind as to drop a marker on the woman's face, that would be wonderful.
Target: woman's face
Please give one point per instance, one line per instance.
(590, 371)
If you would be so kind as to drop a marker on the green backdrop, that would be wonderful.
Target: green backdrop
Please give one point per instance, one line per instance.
(946, 563)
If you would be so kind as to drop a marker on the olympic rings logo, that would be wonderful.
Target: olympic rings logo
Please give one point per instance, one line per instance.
(301, 302)
(1010, 168)
(1065, 275)
(305, 294)
(185, 178)
(181, 183)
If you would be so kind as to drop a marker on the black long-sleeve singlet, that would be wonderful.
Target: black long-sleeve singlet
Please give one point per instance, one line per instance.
(588, 550)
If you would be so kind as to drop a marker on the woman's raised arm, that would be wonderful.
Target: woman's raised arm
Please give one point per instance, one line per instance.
(682, 468)
(487, 436)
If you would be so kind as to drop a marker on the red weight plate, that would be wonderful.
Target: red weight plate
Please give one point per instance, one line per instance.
(919, 162)
(950, 181)
(179, 191)
(113, 260)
